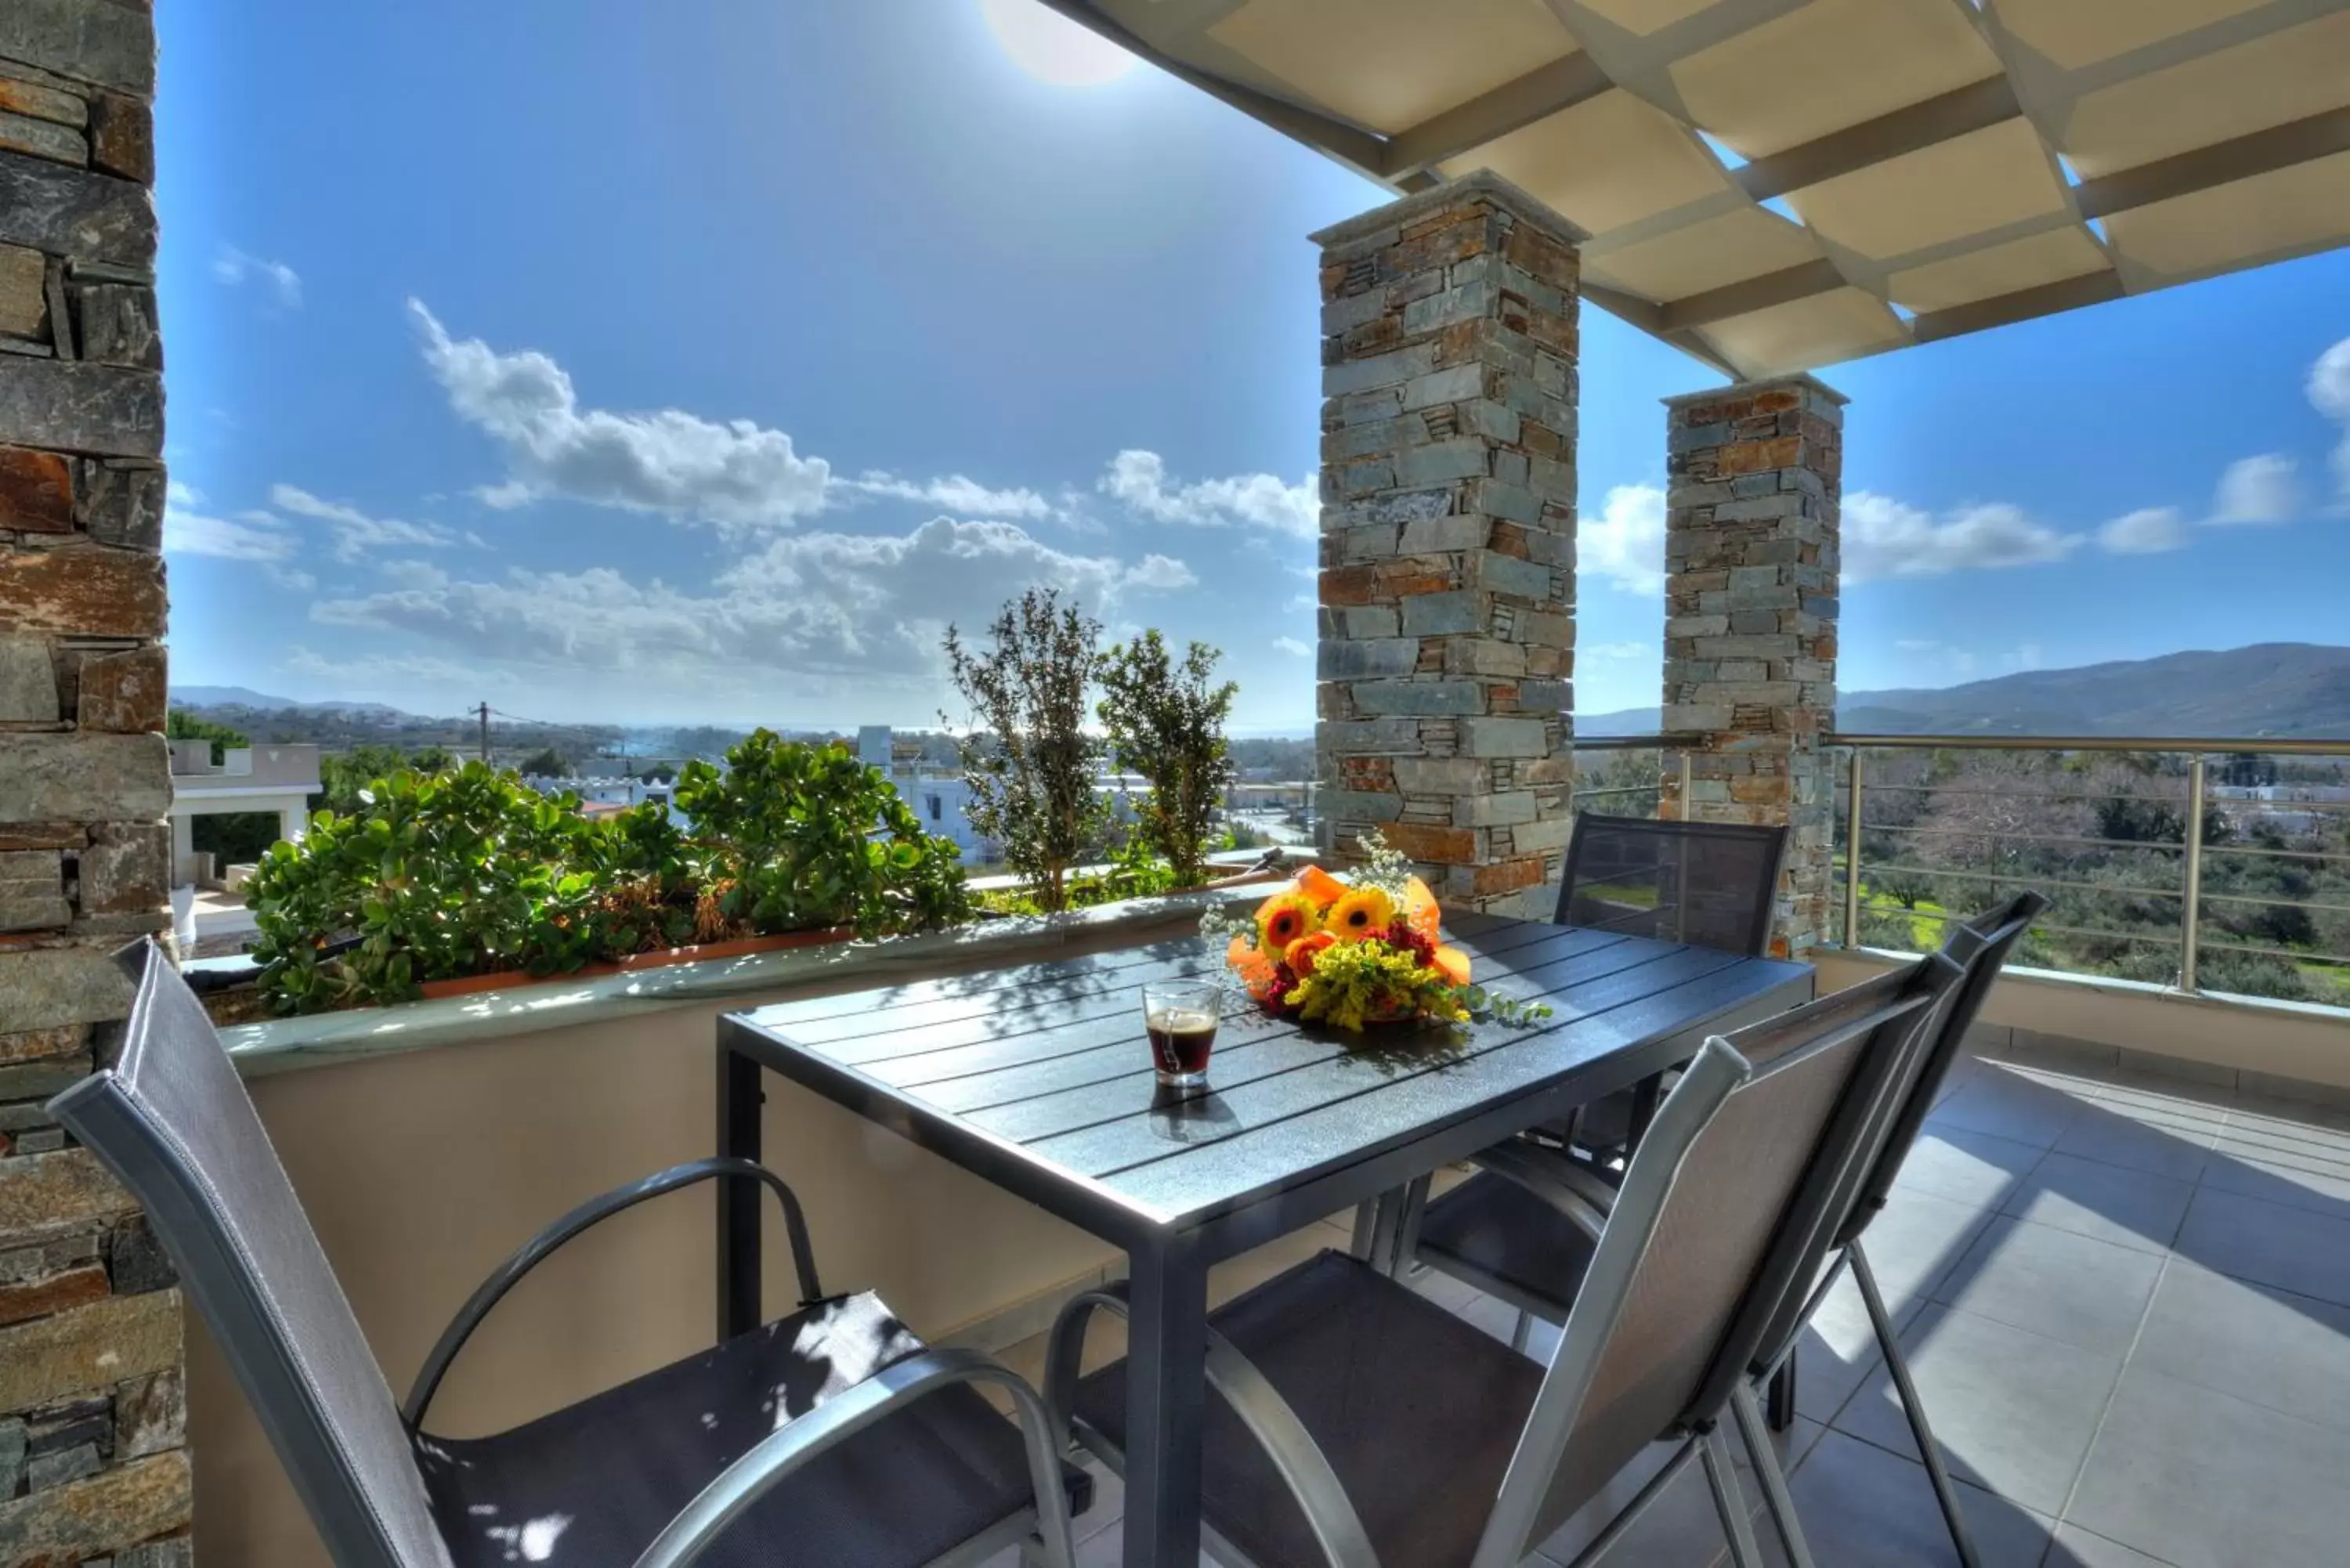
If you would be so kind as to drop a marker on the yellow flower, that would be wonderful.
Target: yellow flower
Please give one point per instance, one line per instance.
(1365, 912)
(1281, 919)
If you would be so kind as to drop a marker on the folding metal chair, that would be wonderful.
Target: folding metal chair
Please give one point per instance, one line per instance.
(830, 1438)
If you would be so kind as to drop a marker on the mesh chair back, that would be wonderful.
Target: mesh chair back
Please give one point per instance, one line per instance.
(1707, 1193)
(1892, 1058)
(1710, 883)
(1981, 948)
(172, 1119)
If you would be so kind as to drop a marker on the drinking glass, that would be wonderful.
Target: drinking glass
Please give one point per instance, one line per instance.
(1181, 1017)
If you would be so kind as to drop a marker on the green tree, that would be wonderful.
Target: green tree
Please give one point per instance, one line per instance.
(179, 724)
(344, 776)
(548, 763)
(1031, 764)
(1166, 722)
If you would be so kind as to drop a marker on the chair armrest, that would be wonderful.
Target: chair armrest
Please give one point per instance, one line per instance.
(1270, 1418)
(777, 1456)
(1554, 1178)
(543, 1245)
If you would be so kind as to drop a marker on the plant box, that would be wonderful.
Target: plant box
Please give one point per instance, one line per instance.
(509, 980)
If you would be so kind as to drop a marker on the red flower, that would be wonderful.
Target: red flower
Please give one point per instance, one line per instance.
(1405, 936)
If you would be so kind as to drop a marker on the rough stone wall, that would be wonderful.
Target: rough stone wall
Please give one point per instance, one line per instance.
(1754, 476)
(1446, 648)
(92, 1462)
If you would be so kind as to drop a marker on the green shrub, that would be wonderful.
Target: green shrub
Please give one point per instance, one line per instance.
(438, 875)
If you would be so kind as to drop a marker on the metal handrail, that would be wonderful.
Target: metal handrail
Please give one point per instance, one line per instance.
(2261, 746)
(2199, 798)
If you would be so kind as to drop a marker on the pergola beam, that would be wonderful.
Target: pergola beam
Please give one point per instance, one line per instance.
(1889, 136)
(2023, 305)
(2222, 163)
(1801, 281)
(1542, 92)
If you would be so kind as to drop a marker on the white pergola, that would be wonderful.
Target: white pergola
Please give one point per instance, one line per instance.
(1774, 185)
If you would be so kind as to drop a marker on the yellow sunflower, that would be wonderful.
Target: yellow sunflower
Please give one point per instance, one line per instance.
(1281, 919)
(1365, 912)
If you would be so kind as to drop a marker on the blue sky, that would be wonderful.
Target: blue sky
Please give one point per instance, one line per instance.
(698, 362)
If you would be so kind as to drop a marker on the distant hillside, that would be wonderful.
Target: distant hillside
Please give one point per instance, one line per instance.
(2272, 689)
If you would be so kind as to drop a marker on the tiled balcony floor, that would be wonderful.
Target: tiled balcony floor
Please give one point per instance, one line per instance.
(2127, 1302)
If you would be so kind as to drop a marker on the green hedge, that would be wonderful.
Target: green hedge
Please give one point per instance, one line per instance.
(441, 876)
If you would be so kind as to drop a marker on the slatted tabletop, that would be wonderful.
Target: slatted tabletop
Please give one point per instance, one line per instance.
(1040, 1077)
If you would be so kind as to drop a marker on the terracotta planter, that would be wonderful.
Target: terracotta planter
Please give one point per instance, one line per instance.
(510, 980)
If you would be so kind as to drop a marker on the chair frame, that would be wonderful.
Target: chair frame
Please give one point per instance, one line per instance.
(1629, 1230)
(110, 1115)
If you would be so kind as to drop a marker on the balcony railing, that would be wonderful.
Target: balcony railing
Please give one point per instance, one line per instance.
(1626, 784)
(2218, 865)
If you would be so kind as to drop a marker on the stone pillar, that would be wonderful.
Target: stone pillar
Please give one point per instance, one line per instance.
(1447, 659)
(93, 1467)
(1755, 473)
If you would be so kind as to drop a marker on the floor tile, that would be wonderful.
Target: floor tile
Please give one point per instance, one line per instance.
(2014, 1411)
(2168, 1094)
(2134, 1209)
(2304, 1120)
(2079, 1548)
(2011, 1103)
(2269, 1243)
(2137, 1140)
(2284, 1145)
(1970, 1167)
(1859, 1505)
(1838, 1350)
(2319, 1186)
(2268, 1346)
(1915, 1239)
(2084, 1291)
(2213, 1481)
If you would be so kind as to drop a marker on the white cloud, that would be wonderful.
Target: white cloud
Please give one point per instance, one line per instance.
(1625, 545)
(356, 532)
(179, 495)
(1139, 480)
(2329, 394)
(232, 268)
(738, 475)
(1293, 645)
(2147, 532)
(1884, 538)
(955, 494)
(293, 579)
(1956, 660)
(863, 606)
(2263, 488)
(191, 533)
(1618, 651)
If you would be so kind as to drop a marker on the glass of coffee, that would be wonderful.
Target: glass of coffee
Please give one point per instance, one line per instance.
(1180, 1016)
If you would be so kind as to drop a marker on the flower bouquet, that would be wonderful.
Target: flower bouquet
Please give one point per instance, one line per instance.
(1358, 951)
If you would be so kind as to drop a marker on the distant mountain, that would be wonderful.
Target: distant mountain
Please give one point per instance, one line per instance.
(228, 696)
(2272, 689)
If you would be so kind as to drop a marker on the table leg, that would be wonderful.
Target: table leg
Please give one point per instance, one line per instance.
(1645, 1097)
(739, 1098)
(1166, 1396)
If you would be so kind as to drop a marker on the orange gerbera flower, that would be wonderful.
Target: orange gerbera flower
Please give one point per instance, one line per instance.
(1304, 950)
(1283, 919)
(1365, 912)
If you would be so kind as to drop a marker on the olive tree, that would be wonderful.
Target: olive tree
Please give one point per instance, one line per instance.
(1166, 722)
(1029, 761)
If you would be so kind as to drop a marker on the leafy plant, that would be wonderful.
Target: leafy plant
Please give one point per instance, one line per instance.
(344, 776)
(1166, 722)
(548, 764)
(1031, 764)
(179, 724)
(806, 836)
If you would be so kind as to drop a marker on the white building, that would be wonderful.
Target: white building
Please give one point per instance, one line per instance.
(280, 779)
(609, 796)
(939, 793)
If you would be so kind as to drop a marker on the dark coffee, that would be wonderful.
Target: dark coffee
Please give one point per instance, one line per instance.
(1180, 1038)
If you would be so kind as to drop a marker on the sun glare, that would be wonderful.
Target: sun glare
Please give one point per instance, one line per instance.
(1051, 47)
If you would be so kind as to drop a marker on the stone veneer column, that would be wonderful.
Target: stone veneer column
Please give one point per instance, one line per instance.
(93, 1467)
(1755, 474)
(1446, 656)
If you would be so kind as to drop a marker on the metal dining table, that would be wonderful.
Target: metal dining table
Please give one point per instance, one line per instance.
(1039, 1080)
